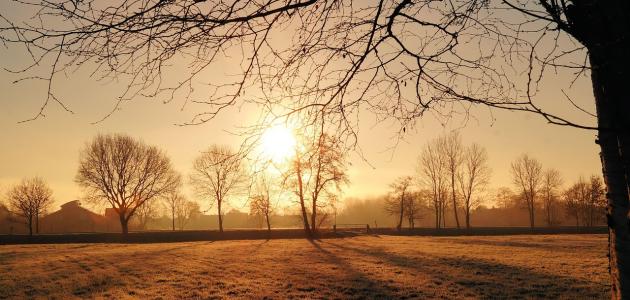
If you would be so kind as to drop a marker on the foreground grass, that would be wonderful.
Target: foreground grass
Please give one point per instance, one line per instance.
(552, 266)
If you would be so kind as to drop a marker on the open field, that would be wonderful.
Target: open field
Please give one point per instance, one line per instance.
(524, 266)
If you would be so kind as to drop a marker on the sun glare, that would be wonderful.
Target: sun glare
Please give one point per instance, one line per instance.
(278, 143)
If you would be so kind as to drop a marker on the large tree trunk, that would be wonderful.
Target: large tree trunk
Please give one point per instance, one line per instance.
(602, 26)
(124, 225)
(610, 74)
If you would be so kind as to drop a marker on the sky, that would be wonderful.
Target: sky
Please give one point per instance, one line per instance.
(49, 146)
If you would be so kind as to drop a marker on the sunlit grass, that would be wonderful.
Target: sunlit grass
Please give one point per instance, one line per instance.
(553, 266)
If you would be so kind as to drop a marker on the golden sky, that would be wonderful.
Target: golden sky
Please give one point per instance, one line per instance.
(49, 146)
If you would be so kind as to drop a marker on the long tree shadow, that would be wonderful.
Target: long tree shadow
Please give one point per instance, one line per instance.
(488, 279)
(508, 243)
(358, 284)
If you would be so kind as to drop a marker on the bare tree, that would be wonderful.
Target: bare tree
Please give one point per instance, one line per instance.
(506, 198)
(328, 171)
(473, 178)
(527, 176)
(597, 200)
(217, 174)
(398, 59)
(432, 173)
(124, 173)
(413, 206)
(453, 150)
(576, 199)
(294, 179)
(175, 202)
(315, 174)
(397, 201)
(147, 211)
(260, 205)
(551, 184)
(185, 212)
(30, 199)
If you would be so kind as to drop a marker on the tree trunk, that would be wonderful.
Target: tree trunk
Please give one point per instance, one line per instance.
(173, 218)
(454, 199)
(530, 206)
(467, 217)
(402, 210)
(307, 229)
(532, 220)
(314, 215)
(437, 217)
(609, 75)
(124, 225)
(268, 223)
(220, 216)
(443, 217)
(602, 26)
(30, 225)
(37, 222)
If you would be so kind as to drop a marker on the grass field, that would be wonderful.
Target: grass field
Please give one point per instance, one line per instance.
(542, 266)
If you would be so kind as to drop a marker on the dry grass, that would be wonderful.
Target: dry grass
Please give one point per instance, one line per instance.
(553, 266)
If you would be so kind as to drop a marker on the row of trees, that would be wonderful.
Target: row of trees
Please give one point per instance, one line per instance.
(583, 200)
(455, 177)
(30, 200)
(134, 178)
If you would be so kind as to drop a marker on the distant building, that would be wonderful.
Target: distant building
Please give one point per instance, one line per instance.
(72, 217)
(11, 223)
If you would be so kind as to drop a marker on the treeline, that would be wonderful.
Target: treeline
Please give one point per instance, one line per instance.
(451, 187)
(139, 184)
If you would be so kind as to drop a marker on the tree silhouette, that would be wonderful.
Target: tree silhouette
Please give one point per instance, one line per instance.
(315, 173)
(550, 186)
(174, 202)
(453, 150)
(527, 176)
(124, 173)
(397, 201)
(473, 178)
(432, 171)
(217, 173)
(576, 199)
(147, 211)
(30, 199)
(597, 201)
(397, 59)
(185, 212)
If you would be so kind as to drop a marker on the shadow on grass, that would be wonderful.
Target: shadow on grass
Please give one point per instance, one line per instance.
(360, 285)
(486, 279)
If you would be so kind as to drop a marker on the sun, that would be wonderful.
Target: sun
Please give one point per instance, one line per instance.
(278, 143)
